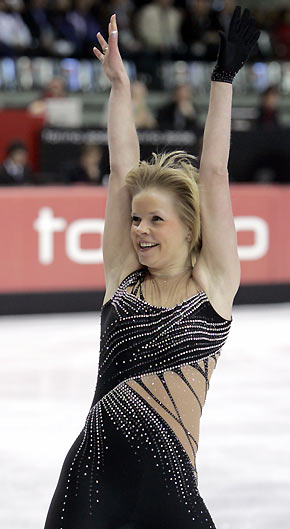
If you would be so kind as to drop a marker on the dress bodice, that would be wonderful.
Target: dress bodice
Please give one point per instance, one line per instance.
(140, 338)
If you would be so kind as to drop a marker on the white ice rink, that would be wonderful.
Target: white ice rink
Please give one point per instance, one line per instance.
(47, 382)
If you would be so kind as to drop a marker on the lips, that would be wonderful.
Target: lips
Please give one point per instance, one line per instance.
(146, 248)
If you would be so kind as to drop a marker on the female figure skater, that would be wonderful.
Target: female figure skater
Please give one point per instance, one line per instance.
(165, 318)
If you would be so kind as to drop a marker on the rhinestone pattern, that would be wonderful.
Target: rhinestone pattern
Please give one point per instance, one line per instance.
(222, 76)
(154, 369)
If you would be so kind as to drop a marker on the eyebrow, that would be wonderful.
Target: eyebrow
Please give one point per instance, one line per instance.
(150, 212)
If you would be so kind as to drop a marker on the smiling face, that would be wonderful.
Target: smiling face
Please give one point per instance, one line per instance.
(155, 220)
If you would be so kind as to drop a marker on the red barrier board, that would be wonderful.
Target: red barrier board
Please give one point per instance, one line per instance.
(19, 124)
(51, 236)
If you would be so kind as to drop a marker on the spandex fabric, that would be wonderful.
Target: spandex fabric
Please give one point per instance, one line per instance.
(133, 465)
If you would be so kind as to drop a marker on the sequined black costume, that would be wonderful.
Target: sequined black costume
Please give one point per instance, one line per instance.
(133, 464)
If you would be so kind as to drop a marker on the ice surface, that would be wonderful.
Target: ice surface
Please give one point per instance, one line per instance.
(47, 381)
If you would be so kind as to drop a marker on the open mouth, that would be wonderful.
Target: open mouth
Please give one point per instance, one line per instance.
(147, 247)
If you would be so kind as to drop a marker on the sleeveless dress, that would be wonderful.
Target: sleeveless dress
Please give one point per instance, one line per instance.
(133, 464)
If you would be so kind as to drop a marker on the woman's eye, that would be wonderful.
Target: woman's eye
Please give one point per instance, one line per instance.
(137, 219)
(134, 218)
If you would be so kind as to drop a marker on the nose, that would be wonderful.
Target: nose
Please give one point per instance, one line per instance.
(142, 227)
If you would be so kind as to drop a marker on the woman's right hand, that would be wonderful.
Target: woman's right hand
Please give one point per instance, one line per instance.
(110, 56)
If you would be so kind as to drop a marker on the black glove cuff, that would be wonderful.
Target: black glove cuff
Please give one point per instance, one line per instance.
(222, 77)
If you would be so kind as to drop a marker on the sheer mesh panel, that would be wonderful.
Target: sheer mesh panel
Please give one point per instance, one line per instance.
(179, 397)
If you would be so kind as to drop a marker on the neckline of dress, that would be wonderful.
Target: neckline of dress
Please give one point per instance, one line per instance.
(200, 293)
(130, 296)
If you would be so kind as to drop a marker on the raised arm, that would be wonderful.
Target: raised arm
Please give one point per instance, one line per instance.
(118, 251)
(219, 253)
(122, 136)
(217, 131)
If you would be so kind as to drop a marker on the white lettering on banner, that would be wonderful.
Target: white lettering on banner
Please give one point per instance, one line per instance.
(260, 228)
(46, 224)
(73, 244)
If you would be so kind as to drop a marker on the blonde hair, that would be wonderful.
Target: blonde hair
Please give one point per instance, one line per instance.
(175, 172)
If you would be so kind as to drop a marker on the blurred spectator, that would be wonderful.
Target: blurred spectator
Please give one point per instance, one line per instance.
(268, 110)
(85, 26)
(270, 163)
(179, 113)
(144, 118)
(88, 168)
(15, 169)
(158, 26)
(67, 41)
(15, 36)
(124, 10)
(222, 15)
(197, 30)
(281, 34)
(36, 18)
(55, 89)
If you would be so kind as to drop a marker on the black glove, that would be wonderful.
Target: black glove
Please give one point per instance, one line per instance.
(235, 47)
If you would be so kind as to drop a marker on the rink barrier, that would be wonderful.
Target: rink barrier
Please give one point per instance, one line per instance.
(51, 256)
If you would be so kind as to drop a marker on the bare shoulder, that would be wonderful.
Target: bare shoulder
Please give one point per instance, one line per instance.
(114, 280)
(220, 291)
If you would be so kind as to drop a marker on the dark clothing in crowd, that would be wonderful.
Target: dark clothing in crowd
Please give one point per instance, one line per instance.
(267, 118)
(170, 117)
(194, 31)
(41, 30)
(78, 174)
(12, 174)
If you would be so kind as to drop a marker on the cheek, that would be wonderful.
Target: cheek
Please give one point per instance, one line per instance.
(170, 231)
(174, 234)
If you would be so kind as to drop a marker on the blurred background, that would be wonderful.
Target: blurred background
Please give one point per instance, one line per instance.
(54, 171)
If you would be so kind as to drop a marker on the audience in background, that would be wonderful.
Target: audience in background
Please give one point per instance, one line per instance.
(197, 31)
(55, 89)
(15, 36)
(268, 116)
(88, 168)
(187, 28)
(125, 11)
(143, 115)
(180, 112)
(281, 34)
(144, 118)
(151, 34)
(158, 26)
(66, 39)
(85, 26)
(222, 16)
(15, 169)
(36, 18)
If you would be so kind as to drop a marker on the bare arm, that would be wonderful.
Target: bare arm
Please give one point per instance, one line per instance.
(123, 141)
(216, 140)
(118, 250)
(122, 136)
(219, 251)
(219, 239)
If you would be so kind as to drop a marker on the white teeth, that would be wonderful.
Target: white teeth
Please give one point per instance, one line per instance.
(146, 244)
